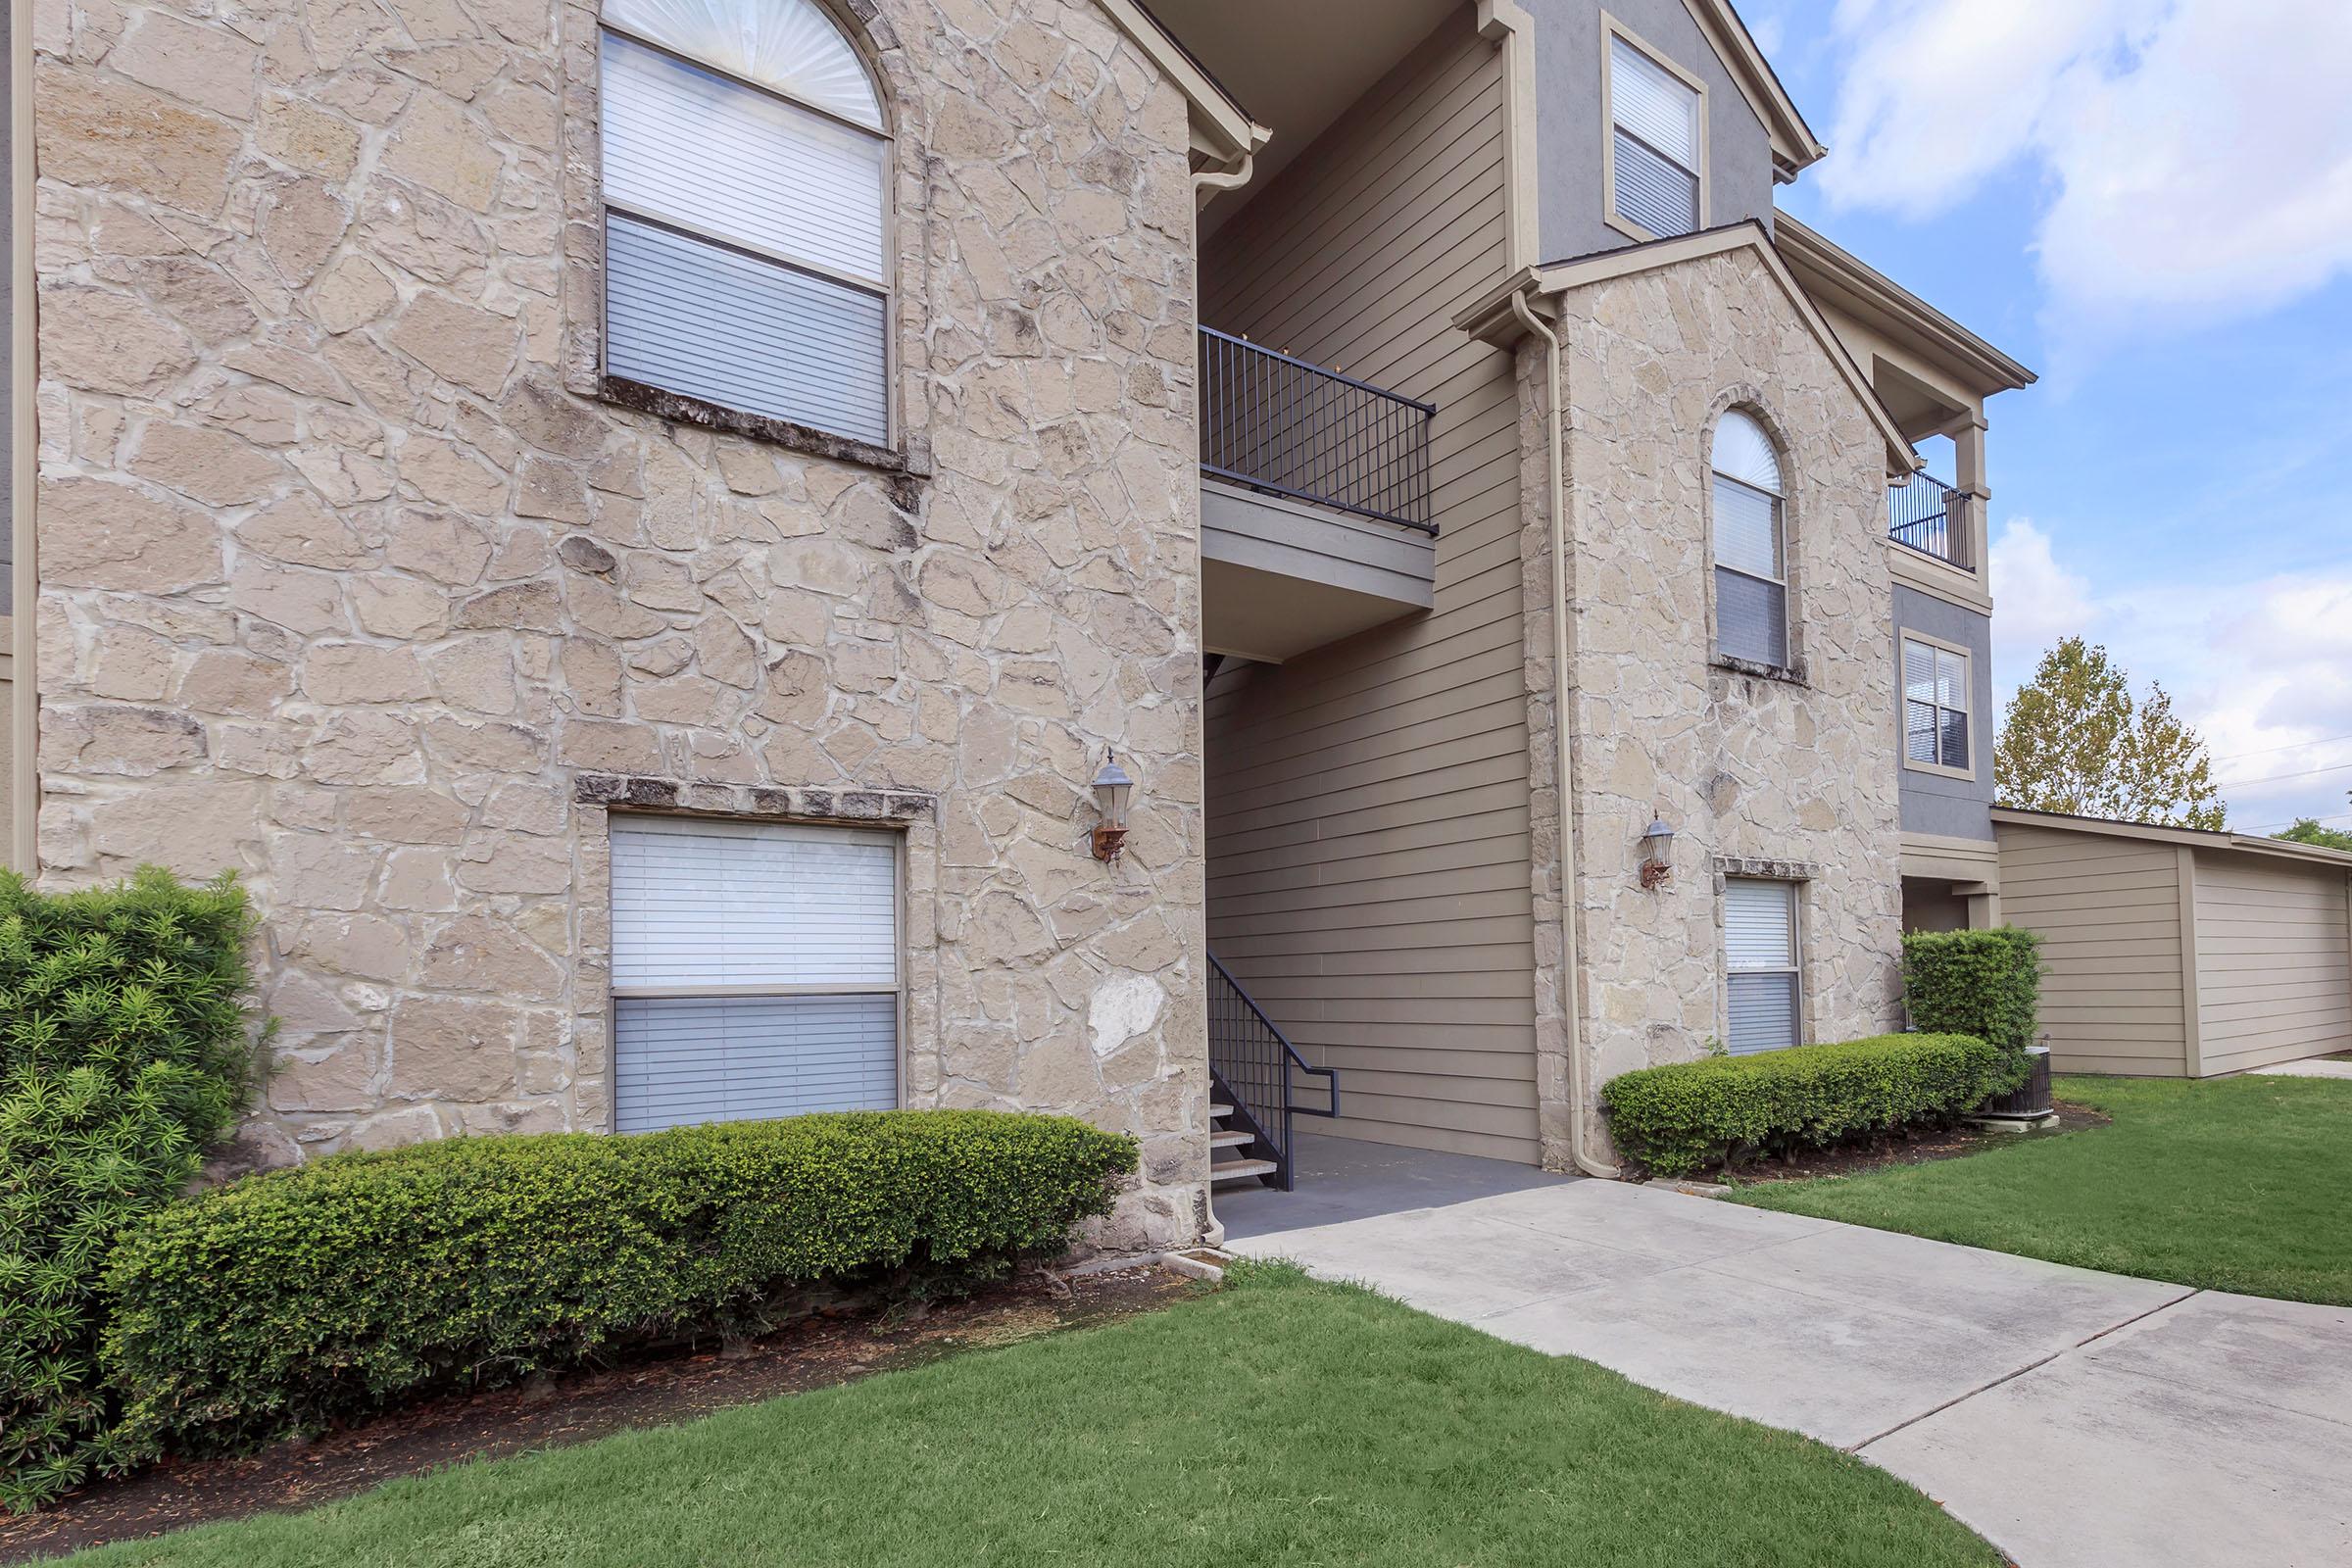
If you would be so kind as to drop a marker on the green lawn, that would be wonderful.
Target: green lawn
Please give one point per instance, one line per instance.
(2239, 1184)
(1277, 1421)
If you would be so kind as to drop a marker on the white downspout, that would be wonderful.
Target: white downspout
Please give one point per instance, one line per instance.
(1570, 1012)
(1232, 178)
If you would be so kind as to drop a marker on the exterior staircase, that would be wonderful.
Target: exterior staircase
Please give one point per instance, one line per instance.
(1229, 1159)
(1253, 1074)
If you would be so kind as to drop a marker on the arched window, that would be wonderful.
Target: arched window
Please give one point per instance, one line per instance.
(746, 182)
(1752, 568)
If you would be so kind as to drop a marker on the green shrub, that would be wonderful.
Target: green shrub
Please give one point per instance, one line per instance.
(124, 1052)
(1982, 983)
(1678, 1118)
(291, 1299)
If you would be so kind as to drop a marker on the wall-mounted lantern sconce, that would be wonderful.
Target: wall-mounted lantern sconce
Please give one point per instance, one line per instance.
(1113, 787)
(1657, 854)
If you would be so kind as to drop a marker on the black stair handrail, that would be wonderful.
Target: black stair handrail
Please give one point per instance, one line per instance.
(1252, 1060)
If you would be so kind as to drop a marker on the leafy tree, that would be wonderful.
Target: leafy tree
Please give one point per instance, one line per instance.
(2075, 741)
(2307, 830)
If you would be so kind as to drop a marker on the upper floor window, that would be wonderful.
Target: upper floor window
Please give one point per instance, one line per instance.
(1935, 681)
(1751, 576)
(1656, 131)
(747, 234)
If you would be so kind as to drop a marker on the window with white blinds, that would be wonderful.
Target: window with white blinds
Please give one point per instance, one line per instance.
(1657, 132)
(1934, 705)
(1759, 946)
(746, 175)
(1751, 579)
(755, 970)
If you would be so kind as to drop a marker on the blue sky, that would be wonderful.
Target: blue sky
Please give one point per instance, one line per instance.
(2150, 203)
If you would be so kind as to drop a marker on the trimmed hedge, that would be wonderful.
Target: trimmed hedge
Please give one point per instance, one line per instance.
(298, 1297)
(124, 1052)
(1678, 1118)
(1982, 983)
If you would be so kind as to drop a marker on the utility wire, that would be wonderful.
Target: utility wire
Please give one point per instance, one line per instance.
(2280, 778)
(2272, 750)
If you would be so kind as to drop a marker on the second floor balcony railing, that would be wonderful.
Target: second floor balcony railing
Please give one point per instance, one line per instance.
(1297, 429)
(1931, 518)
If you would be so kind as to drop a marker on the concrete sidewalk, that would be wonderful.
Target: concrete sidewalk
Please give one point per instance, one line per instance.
(2075, 1419)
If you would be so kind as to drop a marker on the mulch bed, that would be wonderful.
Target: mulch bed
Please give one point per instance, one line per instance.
(576, 1408)
(1917, 1149)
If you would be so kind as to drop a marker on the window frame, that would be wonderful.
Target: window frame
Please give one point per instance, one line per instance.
(1794, 889)
(1612, 28)
(1902, 696)
(670, 403)
(1790, 667)
(618, 991)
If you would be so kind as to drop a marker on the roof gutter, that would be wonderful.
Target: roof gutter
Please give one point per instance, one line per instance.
(1571, 1022)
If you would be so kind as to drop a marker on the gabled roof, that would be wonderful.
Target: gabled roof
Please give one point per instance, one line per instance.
(1794, 144)
(2189, 837)
(1491, 319)
(1843, 280)
(1218, 122)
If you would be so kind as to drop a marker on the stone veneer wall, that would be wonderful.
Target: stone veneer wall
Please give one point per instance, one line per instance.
(346, 587)
(1758, 776)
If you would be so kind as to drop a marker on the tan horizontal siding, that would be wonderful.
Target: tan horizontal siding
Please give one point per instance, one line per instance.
(1367, 802)
(2273, 961)
(2109, 914)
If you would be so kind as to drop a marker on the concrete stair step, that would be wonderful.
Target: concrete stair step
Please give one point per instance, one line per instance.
(1228, 1140)
(1218, 1109)
(1233, 1171)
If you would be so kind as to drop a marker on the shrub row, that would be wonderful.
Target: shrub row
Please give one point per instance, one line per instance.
(1683, 1118)
(296, 1298)
(124, 1052)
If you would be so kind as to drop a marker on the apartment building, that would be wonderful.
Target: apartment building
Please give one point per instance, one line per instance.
(1189, 566)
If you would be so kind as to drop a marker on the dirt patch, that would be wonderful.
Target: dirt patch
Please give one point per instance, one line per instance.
(1919, 1148)
(576, 1407)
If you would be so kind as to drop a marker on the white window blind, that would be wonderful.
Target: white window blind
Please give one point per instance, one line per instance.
(755, 970)
(1759, 944)
(1751, 590)
(747, 237)
(1655, 146)
(1934, 705)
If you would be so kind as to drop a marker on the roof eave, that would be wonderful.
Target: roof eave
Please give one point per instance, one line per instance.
(1822, 263)
(1794, 147)
(1492, 319)
(1217, 119)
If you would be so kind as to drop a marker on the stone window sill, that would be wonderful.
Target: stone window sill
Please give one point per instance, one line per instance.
(904, 465)
(1793, 674)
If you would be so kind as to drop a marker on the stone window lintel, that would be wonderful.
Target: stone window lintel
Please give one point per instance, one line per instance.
(1730, 865)
(807, 803)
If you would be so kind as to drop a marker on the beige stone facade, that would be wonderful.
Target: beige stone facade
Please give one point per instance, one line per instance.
(359, 578)
(348, 585)
(1787, 777)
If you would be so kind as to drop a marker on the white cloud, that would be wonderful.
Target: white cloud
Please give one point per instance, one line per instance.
(2262, 668)
(2198, 152)
(2037, 600)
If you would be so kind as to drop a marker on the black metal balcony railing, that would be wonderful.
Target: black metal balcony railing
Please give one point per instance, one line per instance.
(1931, 518)
(1297, 429)
(1255, 1068)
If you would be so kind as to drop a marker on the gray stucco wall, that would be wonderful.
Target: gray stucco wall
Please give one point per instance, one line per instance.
(1569, 61)
(1956, 808)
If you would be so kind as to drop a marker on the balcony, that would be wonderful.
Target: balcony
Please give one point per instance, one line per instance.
(1316, 518)
(1931, 518)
